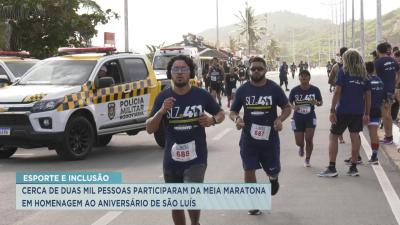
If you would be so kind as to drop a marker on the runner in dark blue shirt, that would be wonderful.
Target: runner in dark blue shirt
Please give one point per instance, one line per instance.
(303, 99)
(180, 110)
(230, 84)
(259, 141)
(377, 92)
(386, 68)
(350, 107)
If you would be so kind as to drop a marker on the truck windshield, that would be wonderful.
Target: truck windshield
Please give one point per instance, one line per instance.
(160, 62)
(19, 68)
(59, 72)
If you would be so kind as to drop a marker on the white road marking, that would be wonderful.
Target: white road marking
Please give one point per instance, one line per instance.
(387, 188)
(223, 133)
(107, 218)
(23, 154)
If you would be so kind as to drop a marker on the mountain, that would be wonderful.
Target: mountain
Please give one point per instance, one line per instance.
(309, 36)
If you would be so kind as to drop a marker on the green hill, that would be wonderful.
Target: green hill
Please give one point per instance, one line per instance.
(310, 35)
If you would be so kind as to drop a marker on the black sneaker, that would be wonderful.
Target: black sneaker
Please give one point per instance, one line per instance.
(329, 172)
(254, 212)
(373, 160)
(353, 172)
(348, 161)
(274, 186)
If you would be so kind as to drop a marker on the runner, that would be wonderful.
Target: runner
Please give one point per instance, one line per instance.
(259, 141)
(375, 112)
(230, 84)
(350, 108)
(216, 75)
(303, 99)
(283, 72)
(293, 69)
(181, 110)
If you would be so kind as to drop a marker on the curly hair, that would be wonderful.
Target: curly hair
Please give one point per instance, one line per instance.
(184, 58)
(353, 64)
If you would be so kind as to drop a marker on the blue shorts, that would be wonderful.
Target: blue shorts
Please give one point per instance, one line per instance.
(300, 125)
(375, 121)
(266, 157)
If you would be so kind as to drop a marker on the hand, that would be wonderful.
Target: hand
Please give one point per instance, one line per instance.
(296, 108)
(239, 123)
(278, 124)
(205, 121)
(332, 118)
(366, 119)
(167, 104)
(314, 102)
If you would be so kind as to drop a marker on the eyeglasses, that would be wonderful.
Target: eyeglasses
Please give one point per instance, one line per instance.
(176, 70)
(253, 69)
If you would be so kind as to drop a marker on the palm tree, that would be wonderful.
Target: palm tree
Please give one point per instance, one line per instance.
(272, 51)
(248, 25)
(232, 44)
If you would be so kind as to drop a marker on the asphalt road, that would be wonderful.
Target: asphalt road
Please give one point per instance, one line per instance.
(304, 198)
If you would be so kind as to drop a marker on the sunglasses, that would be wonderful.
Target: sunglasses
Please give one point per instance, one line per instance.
(176, 70)
(253, 69)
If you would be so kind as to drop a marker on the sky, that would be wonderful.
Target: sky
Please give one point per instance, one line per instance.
(153, 22)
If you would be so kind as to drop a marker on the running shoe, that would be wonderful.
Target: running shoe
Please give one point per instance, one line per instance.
(301, 152)
(307, 163)
(348, 161)
(274, 186)
(329, 172)
(254, 212)
(386, 141)
(353, 172)
(373, 160)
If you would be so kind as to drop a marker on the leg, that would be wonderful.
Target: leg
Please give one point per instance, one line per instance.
(333, 147)
(195, 174)
(250, 176)
(387, 120)
(299, 137)
(178, 216)
(355, 146)
(194, 216)
(309, 142)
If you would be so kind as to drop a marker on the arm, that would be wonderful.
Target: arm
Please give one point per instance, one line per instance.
(153, 123)
(234, 116)
(206, 121)
(367, 97)
(286, 111)
(335, 99)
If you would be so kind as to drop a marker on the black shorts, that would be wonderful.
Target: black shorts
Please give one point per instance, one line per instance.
(353, 122)
(194, 174)
(215, 86)
(300, 125)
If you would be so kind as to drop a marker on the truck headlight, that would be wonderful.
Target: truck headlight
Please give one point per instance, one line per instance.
(46, 105)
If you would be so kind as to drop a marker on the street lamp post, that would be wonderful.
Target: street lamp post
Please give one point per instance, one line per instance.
(378, 22)
(362, 38)
(126, 25)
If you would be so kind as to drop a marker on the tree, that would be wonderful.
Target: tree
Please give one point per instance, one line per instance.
(232, 44)
(248, 26)
(152, 50)
(42, 26)
(272, 52)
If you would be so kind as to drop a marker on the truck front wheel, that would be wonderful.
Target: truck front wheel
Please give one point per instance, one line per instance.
(78, 140)
(7, 152)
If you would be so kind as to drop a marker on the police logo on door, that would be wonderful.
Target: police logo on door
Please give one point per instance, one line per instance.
(111, 110)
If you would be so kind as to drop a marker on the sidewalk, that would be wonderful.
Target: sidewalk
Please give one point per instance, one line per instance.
(391, 150)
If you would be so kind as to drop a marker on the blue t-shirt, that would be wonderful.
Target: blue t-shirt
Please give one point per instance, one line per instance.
(386, 68)
(376, 91)
(182, 126)
(260, 111)
(302, 98)
(352, 96)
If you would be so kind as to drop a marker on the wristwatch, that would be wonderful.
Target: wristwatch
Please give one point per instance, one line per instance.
(215, 121)
(237, 117)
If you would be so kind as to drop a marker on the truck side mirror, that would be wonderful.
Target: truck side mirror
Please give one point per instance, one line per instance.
(4, 78)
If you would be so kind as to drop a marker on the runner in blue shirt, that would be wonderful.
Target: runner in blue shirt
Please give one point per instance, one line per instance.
(386, 68)
(377, 88)
(259, 141)
(350, 107)
(303, 99)
(181, 111)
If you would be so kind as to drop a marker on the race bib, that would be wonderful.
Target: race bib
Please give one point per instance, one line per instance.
(260, 132)
(184, 152)
(213, 78)
(304, 109)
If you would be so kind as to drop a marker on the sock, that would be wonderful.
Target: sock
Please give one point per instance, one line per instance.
(353, 165)
(374, 153)
(389, 138)
(332, 165)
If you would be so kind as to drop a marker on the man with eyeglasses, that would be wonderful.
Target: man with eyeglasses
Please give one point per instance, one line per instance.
(181, 109)
(216, 75)
(259, 141)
